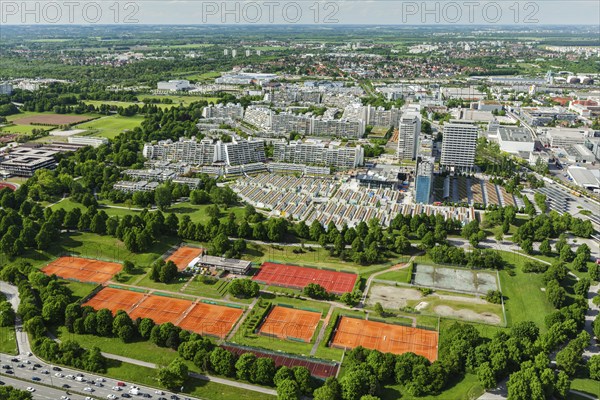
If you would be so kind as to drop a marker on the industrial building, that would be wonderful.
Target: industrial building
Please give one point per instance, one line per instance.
(538, 116)
(174, 85)
(245, 78)
(515, 139)
(563, 137)
(458, 145)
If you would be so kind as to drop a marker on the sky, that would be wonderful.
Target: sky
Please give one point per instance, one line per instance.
(371, 12)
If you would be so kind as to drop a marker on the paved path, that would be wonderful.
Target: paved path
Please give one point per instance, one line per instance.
(240, 322)
(321, 334)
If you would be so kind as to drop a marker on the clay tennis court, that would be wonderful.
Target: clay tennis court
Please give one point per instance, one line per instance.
(52, 119)
(209, 319)
(160, 309)
(387, 338)
(183, 256)
(299, 277)
(320, 369)
(7, 185)
(82, 269)
(289, 323)
(114, 300)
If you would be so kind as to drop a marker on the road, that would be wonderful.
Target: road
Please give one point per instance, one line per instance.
(41, 392)
(51, 379)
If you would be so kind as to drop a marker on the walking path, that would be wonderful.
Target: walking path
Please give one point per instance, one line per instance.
(321, 334)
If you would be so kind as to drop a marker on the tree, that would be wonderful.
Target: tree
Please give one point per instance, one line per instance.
(145, 327)
(174, 375)
(263, 371)
(486, 376)
(244, 288)
(128, 267)
(315, 291)
(7, 314)
(288, 390)
(331, 390)
(545, 247)
(222, 362)
(593, 365)
(244, 366)
(304, 379)
(379, 309)
(527, 246)
(357, 383)
(163, 197)
(555, 294)
(35, 326)
(104, 322)
(167, 272)
(316, 229)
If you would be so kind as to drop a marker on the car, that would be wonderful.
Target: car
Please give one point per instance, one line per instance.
(58, 375)
(146, 395)
(98, 384)
(79, 375)
(88, 398)
(32, 368)
(70, 377)
(9, 372)
(29, 354)
(46, 372)
(65, 386)
(6, 366)
(116, 388)
(126, 395)
(162, 398)
(120, 384)
(158, 392)
(21, 365)
(37, 365)
(56, 369)
(88, 389)
(14, 359)
(2, 383)
(100, 380)
(35, 378)
(174, 397)
(30, 389)
(65, 397)
(27, 362)
(111, 397)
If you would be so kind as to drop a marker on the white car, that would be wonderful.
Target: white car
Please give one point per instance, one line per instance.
(88, 398)
(65, 398)
(100, 380)
(111, 397)
(116, 388)
(58, 375)
(158, 392)
(30, 389)
(88, 389)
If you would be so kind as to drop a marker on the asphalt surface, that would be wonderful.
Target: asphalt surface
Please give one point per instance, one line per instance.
(41, 392)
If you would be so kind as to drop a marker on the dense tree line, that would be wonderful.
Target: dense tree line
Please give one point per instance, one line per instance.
(11, 393)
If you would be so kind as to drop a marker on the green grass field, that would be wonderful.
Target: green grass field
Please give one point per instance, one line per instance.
(588, 385)
(111, 126)
(401, 275)
(185, 100)
(467, 388)
(22, 129)
(8, 341)
(524, 300)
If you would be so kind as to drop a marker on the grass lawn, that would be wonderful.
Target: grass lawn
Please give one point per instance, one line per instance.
(90, 245)
(467, 388)
(402, 275)
(308, 305)
(22, 129)
(214, 290)
(524, 301)
(186, 100)
(197, 213)
(207, 76)
(80, 289)
(110, 126)
(271, 343)
(589, 386)
(169, 287)
(8, 341)
(24, 114)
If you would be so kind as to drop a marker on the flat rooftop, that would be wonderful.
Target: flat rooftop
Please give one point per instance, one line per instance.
(514, 134)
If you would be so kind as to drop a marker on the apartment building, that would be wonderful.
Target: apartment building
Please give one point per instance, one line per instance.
(409, 129)
(228, 111)
(206, 152)
(319, 153)
(458, 145)
(424, 179)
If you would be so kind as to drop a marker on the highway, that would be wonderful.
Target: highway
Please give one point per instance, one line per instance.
(41, 392)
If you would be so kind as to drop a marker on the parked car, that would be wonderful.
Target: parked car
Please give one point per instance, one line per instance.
(56, 369)
(35, 378)
(88, 389)
(30, 389)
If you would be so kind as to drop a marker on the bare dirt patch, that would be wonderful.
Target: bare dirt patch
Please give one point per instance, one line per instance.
(469, 315)
(392, 297)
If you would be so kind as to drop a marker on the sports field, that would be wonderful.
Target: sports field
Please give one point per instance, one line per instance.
(114, 300)
(290, 323)
(183, 256)
(161, 309)
(7, 185)
(387, 338)
(209, 319)
(299, 277)
(82, 269)
(111, 126)
(205, 319)
(459, 279)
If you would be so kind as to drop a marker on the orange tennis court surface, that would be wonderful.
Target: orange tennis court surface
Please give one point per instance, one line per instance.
(82, 269)
(114, 299)
(201, 318)
(284, 323)
(160, 309)
(209, 319)
(183, 256)
(299, 277)
(387, 338)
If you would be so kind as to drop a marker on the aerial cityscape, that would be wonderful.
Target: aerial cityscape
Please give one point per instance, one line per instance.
(299, 211)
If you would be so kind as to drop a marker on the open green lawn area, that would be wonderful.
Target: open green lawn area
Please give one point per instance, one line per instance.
(23, 114)
(8, 341)
(90, 245)
(588, 385)
(402, 275)
(204, 77)
(197, 213)
(217, 290)
(169, 287)
(524, 301)
(308, 305)
(111, 126)
(466, 389)
(22, 129)
(80, 289)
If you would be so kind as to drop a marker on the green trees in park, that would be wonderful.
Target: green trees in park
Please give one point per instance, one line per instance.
(593, 365)
(164, 272)
(11, 393)
(316, 291)
(244, 288)
(174, 375)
